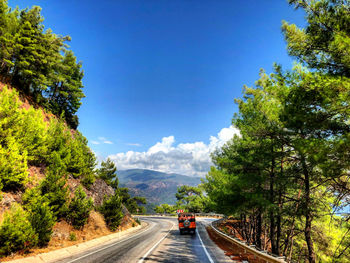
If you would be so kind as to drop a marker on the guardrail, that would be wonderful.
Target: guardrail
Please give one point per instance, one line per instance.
(251, 249)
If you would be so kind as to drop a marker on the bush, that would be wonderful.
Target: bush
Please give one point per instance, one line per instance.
(16, 232)
(54, 188)
(111, 209)
(138, 221)
(79, 209)
(13, 165)
(41, 216)
(72, 236)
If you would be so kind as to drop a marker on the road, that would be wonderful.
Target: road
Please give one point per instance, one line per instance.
(160, 241)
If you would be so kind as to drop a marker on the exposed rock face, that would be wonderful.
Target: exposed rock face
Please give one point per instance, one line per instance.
(98, 190)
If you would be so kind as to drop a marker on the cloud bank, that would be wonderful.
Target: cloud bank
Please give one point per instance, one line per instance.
(184, 158)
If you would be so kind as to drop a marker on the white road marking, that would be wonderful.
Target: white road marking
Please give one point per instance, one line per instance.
(205, 250)
(84, 256)
(150, 250)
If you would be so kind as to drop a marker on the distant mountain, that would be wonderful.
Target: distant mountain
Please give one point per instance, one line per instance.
(157, 187)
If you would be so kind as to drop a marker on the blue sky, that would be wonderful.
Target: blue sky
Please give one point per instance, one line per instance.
(166, 72)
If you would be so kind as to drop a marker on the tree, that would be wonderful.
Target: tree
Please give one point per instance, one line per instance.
(165, 209)
(324, 43)
(79, 208)
(107, 172)
(16, 232)
(38, 62)
(54, 188)
(133, 204)
(191, 198)
(111, 209)
(40, 215)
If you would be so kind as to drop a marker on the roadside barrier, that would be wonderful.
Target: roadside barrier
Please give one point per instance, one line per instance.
(251, 249)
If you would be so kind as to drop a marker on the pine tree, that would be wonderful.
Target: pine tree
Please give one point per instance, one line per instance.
(79, 209)
(107, 172)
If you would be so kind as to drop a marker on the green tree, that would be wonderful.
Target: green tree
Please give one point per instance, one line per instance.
(40, 215)
(79, 209)
(54, 188)
(165, 209)
(191, 198)
(16, 232)
(107, 172)
(111, 209)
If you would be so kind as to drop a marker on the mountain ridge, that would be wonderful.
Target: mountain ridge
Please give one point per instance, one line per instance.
(157, 187)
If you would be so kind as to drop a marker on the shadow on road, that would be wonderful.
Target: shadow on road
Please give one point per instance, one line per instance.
(178, 248)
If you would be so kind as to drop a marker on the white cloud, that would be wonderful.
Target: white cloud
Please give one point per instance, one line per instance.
(101, 140)
(134, 144)
(184, 158)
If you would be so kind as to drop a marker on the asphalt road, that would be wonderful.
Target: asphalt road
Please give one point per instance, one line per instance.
(159, 242)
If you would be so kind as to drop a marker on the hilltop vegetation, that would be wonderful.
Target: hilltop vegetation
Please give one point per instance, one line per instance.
(39, 63)
(286, 178)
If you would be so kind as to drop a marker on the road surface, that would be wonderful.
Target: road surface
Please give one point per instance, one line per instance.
(160, 241)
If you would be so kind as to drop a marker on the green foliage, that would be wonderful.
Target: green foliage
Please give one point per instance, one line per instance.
(16, 232)
(111, 209)
(72, 236)
(25, 138)
(40, 215)
(288, 171)
(13, 165)
(325, 42)
(191, 199)
(133, 204)
(38, 62)
(79, 209)
(165, 209)
(107, 172)
(13, 157)
(138, 221)
(54, 188)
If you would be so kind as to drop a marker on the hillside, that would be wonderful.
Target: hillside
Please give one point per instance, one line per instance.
(51, 193)
(157, 187)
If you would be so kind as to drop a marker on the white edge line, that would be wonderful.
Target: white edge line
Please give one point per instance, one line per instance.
(114, 243)
(150, 250)
(205, 250)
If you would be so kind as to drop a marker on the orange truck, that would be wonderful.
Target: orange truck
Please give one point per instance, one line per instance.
(187, 223)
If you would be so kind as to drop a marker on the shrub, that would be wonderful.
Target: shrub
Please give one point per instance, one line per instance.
(13, 164)
(138, 221)
(16, 232)
(79, 209)
(111, 209)
(41, 216)
(13, 156)
(72, 236)
(32, 135)
(54, 188)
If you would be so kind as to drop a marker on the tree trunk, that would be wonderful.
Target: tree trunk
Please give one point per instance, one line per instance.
(258, 229)
(308, 214)
(271, 214)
